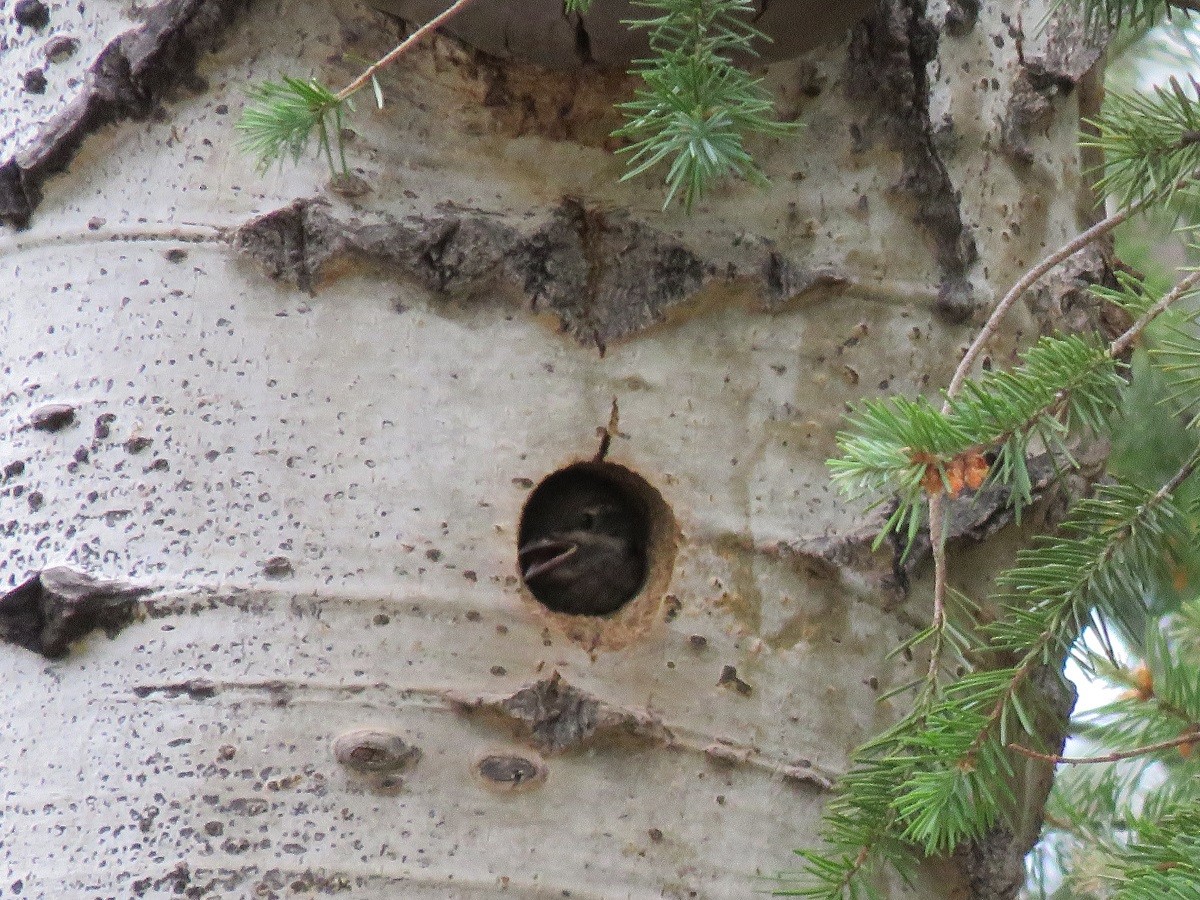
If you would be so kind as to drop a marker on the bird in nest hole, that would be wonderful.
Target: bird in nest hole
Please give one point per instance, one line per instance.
(582, 545)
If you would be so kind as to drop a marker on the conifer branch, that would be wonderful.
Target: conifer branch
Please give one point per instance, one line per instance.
(1116, 350)
(1150, 141)
(909, 449)
(1024, 283)
(1125, 342)
(1057, 585)
(696, 107)
(946, 761)
(1164, 860)
(282, 116)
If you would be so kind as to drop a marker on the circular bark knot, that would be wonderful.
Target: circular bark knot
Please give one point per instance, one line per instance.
(595, 550)
(510, 772)
(378, 756)
(542, 32)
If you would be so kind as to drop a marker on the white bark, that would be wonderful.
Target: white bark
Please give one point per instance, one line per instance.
(386, 454)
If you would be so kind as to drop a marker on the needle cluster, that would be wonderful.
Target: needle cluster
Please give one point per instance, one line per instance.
(692, 116)
(946, 775)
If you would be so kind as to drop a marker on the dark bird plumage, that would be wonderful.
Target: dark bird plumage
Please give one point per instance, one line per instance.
(581, 550)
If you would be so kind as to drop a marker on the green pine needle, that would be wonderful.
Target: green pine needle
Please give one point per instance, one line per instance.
(1151, 143)
(696, 107)
(1131, 13)
(282, 117)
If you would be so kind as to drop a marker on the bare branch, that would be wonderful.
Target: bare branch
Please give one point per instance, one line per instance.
(937, 540)
(1190, 737)
(1023, 284)
(404, 46)
(1125, 341)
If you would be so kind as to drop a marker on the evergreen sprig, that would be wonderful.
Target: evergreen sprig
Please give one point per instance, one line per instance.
(694, 113)
(1106, 822)
(1063, 384)
(879, 458)
(1177, 356)
(1163, 861)
(1099, 562)
(1150, 141)
(697, 107)
(282, 117)
(943, 775)
(1128, 13)
(1161, 701)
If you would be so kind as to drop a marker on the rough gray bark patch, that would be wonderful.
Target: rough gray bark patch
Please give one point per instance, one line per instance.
(52, 417)
(31, 13)
(961, 16)
(1066, 301)
(886, 64)
(556, 716)
(603, 274)
(993, 869)
(57, 606)
(1071, 52)
(127, 81)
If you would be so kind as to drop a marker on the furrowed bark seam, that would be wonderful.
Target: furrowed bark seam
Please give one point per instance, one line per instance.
(1070, 53)
(887, 59)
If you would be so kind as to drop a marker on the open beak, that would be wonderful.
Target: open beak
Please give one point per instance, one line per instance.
(539, 557)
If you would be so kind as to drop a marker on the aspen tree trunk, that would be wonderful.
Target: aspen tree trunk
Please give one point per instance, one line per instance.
(296, 427)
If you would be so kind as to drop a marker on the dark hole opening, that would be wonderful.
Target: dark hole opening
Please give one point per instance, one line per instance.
(583, 539)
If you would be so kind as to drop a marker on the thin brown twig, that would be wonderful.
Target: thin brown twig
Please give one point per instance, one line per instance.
(1023, 284)
(1191, 737)
(1185, 472)
(1125, 341)
(938, 546)
(959, 378)
(404, 46)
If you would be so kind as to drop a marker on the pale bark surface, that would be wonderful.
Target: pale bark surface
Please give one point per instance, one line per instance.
(322, 490)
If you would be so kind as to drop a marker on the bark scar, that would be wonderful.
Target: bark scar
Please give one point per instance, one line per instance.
(886, 71)
(58, 606)
(605, 276)
(128, 79)
(1071, 51)
(556, 716)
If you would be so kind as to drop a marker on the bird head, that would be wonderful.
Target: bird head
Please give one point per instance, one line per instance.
(579, 538)
(580, 553)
